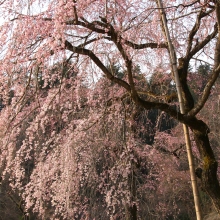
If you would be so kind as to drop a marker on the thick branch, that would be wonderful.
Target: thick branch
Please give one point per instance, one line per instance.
(183, 71)
(97, 61)
(190, 121)
(117, 40)
(90, 26)
(151, 45)
(145, 45)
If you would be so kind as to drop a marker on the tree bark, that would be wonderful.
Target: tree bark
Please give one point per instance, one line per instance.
(208, 177)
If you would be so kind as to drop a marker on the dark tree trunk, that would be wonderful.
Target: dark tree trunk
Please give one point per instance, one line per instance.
(131, 212)
(208, 176)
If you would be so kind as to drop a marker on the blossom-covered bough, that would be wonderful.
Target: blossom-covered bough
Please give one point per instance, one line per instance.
(54, 108)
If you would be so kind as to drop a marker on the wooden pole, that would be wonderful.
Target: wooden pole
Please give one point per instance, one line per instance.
(182, 110)
(106, 8)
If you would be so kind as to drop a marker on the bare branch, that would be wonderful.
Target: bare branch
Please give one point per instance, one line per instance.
(202, 44)
(195, 28)
(206, 93)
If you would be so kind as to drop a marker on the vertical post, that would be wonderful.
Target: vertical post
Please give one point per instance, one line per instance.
(182, 110)
(218, 101)
(106, 8)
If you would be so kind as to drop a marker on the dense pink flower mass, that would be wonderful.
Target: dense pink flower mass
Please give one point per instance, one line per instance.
(89, 120)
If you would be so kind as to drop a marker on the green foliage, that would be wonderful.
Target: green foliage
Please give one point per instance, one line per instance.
(204, 69)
